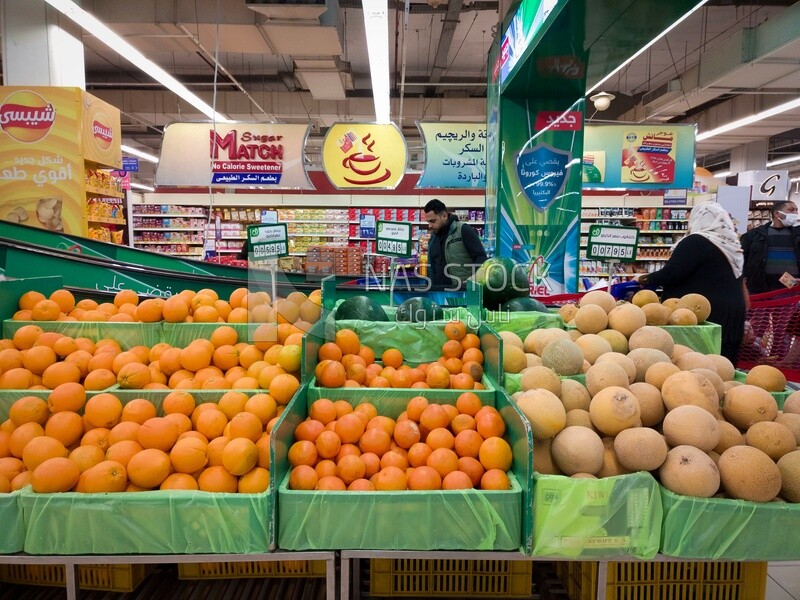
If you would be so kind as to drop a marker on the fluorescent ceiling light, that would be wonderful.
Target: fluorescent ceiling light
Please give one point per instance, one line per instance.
(764, 114)
(793, 179)
(722, 174)
(783, 161)
(140, 154)
(376, 25)
(141, 186)
(645, 47)
(103, 33)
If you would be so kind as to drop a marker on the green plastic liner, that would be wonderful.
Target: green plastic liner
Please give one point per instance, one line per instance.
(158, 522)
(705, 338)
(13, 537)
(8, 397)
(780, 397)
(586, 518)
(435, 395)
(408, 520)
(127, 334)
(512, 382)
(522, 322)
(717, 528)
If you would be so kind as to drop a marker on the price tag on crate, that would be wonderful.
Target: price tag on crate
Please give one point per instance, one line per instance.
(609, 242)
(393, 238)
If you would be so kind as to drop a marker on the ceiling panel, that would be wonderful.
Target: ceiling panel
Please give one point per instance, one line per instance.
(246, 39)
(303, 40)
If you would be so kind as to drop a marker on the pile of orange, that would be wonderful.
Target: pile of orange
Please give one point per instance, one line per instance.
(429, 447)
(36, 359)
(67, 443)
(345, 362)
(205, 306)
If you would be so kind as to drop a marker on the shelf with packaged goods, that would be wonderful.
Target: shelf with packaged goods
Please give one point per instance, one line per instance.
(106, 221)
(168, 242)
(97, 191)
(672, 231)
(610, 218)
(168, 228)
(167, 215)
(660, 220)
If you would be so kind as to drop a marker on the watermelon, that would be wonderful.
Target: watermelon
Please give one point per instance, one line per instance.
(524, 304)
(419, 310)
(361, 308)
(502, 279)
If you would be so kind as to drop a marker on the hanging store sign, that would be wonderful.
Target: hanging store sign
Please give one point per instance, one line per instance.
(528, 19)
(455, 155)
(233, 155)
(766, 185)
(393, 239)
(101, 131)
(364, 156)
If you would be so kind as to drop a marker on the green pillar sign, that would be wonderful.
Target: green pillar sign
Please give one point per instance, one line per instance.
(393, 238)
(267, 241)
(607, 242)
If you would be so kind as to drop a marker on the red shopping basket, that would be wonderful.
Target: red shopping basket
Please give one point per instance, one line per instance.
(772, 333)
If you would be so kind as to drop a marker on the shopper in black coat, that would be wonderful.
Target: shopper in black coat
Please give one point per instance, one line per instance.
(772, 249)
(708, 261)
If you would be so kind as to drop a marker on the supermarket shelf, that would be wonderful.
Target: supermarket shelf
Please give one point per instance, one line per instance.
(659, 220)
(162, 215)
(330, 235)
(107, 221)
(609, 218)
(168, 228)
(672, 231)
(653, 259)
(227, 250)
(232, 237)
(186, 254)
(168, 242)
(656, 245)
(104, 192)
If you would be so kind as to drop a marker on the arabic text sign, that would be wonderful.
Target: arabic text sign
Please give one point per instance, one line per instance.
(608, 242)
(455, 155)
(594, 167)
(570, 120)
(257, 154)
(366, 226)
(364, 156)
(267, 241)
(393, 238)
(541, 172)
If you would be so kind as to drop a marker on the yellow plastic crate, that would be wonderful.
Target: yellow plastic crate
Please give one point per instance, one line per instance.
(112, 578)
(429, 578)
(252, 569)
(667, 580)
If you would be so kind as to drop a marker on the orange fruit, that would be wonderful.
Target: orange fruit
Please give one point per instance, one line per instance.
(179, 481)
(406, 433)
(150, 310)
(283, 387)
(138, 411)
(175, 310)
(255, 481)
(457, 480)
(105, 476)
(303, 477)
(489, 423)
(149, 468)
(331, 482)
(28, 409)
(262, 406)
(455, 330)
(39, 449)
(211, 422)
(239, 456)
(29, 299)
(443, 460)
(214, 450)
(217, 479)
(375, 441)
(195, 357)
(325, 468)
(424, 478)
(123, 451)
(103, 410)
(25, 337)
(433, 417)
(468, 443)
(438, 377)
(98, 436)
(349, 428)
(495, 453)
(350, 468)
(495, 479)
(99, 379)
(440, 438)
(246, 425)
(178, 402)
(65, 426)
(126, 297)
(329, 351)
(392, 358)
(38, 358)
(328, 444)
(124, 430)
(64, 299)
(159, 433)
(309, 430)
(134, 376)
(473, 468)
(88, 456)
(348, 341)
(45, 310)
(378, 421)
(390, 478)
(16, 379)
(58, 474)
(323, 410)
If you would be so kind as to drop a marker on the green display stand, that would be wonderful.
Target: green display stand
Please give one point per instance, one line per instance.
(590, 518)
(12, 289)
(13, 537)
(408, 520)
(720, 529)
(127, 334)
(705, 338)
(523, 322)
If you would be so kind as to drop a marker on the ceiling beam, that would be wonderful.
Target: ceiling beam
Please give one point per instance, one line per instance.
(449, 24)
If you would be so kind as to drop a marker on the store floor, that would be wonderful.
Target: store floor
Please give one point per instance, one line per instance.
(783, 581)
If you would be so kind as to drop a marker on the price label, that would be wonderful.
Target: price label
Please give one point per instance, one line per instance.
(607, 242)
(267, 241)
(393, 238)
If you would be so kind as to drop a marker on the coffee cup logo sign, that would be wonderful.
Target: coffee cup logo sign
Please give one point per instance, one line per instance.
(102, 131)
(364, 156)
(26, 116)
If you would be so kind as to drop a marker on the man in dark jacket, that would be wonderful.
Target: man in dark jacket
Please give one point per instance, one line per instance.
(772, 249)
(453, 249)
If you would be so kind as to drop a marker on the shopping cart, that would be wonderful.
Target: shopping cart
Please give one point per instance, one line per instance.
(772, 332)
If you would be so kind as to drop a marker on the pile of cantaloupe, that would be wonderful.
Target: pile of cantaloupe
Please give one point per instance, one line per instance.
(650, 404)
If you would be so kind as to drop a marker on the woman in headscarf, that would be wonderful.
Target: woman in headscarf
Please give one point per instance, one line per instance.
(708, 261)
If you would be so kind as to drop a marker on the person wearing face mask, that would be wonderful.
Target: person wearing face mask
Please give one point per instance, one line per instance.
(772, 249)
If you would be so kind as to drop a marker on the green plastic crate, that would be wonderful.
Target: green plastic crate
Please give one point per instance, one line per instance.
(13, 537)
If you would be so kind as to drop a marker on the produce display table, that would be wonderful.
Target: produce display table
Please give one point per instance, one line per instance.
(71, 563)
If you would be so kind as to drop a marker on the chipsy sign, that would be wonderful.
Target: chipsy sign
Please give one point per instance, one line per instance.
(249, 154)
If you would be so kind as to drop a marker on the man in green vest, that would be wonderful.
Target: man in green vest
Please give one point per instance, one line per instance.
(454, 250)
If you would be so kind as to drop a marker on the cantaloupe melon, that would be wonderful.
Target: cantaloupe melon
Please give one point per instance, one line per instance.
(656, 314)
(579, 417)
(747, 473)
(514, 359)
(622, 360)
(543, 459)
(745, 405)
(658, 373)
(686, 387)
(644, 297)
(640, 449)
(614, 409)
(670, 303)
(586, 365)
(691, 426)
(603, 375)
(792, 403)
(618, 342)
(511, 339)
(729, 384)
(533, 360)
(694, 360)
(652, 337)
(537, 339)
(698, 304)
(789, 467)
(582, 476)
(644, 358)
(651, 406)
(679, 351)
(626, 318)
(766, 377)
(714, 456)
(592, 346)
(772, 438)
(600, 298)
(682, 316)
(544, 411)
(729, 436)
(574, 395)
(723, 366)
(611, 464)
(567, 312)
(574, 334)
(578, 450)
(591, 318)
(565, 357)
(540, 377)
(792, 421)
(714, 379)
(689, 471)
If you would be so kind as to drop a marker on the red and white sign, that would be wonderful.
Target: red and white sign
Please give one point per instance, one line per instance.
(102, 131)
(556, 120)
(26, 116)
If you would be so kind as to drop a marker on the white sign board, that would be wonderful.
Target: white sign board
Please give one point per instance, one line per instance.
(736, 200)
(766, 185)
